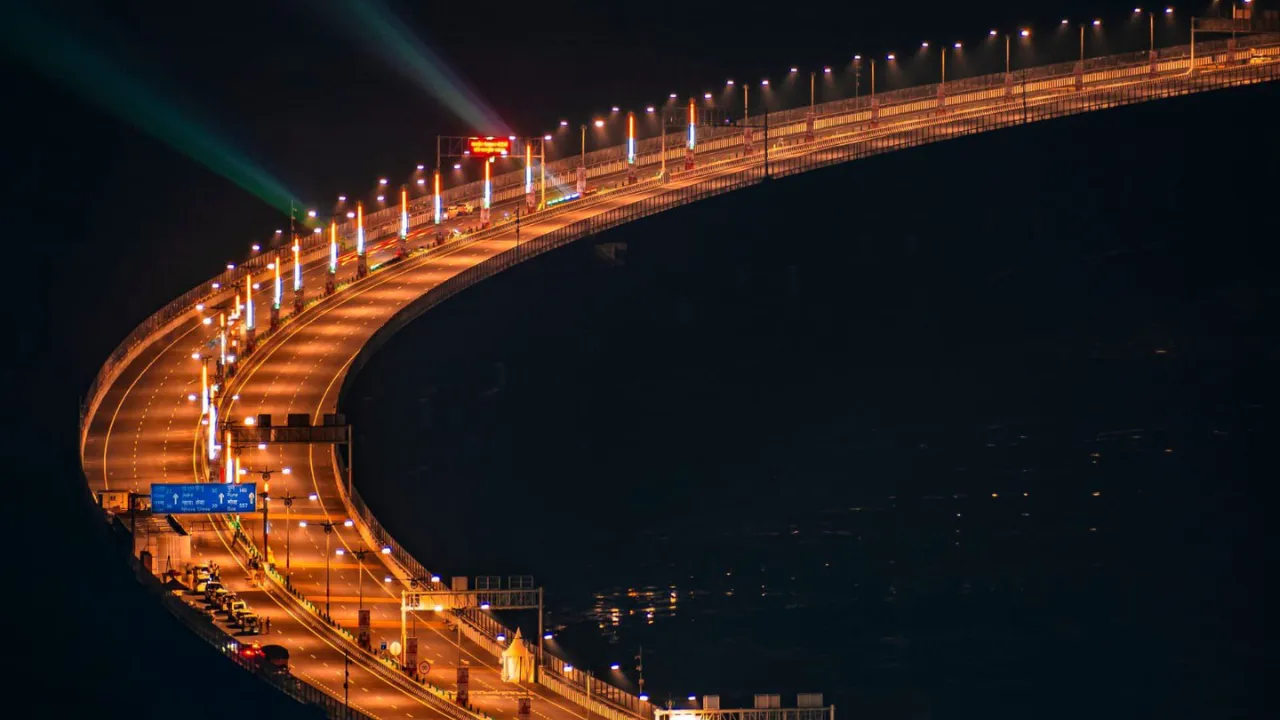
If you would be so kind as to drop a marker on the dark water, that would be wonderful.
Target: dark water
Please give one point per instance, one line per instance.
(984, 428)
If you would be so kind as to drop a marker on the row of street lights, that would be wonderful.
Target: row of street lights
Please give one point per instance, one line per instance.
(420, 181)
(827, 70)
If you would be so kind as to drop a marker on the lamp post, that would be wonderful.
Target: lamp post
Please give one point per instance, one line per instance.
(266, 483)
(328, 526)
(288, 499)
(360, 579)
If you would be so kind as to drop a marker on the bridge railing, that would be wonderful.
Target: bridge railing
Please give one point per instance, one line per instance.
(230, 648)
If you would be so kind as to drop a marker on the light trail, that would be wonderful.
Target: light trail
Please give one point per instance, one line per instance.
(93, 75)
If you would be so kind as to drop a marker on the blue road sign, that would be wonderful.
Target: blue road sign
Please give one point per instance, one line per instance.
(178, 498)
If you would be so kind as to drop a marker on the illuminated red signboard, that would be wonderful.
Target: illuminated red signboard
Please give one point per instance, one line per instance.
(488, 146)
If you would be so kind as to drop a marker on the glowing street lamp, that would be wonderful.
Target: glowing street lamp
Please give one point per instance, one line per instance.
(333, 247)
(248, 304)
(488, 188)
(362, 261)
(435, 196)
(277, 287)
(404, 212)
(692, 120)
(528, 173)
(631, 138)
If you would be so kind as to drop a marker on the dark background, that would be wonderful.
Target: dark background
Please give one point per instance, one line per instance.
(130, 222)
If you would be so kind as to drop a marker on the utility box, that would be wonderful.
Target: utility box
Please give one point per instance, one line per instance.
(808, 700)
(114, 500)
(768, 702)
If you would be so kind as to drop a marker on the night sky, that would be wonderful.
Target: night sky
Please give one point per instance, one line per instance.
(293, 89)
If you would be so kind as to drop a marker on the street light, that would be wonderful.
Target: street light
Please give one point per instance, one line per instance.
(360, 577)
(288, 534)
(328, 526)
(266, 482)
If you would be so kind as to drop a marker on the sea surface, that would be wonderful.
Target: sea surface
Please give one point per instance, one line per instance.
(983, 429)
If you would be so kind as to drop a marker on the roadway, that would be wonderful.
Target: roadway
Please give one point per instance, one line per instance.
(145, 430)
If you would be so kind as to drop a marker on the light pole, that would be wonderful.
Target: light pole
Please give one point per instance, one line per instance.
(288, 499)
(1096, 23)
(640, 670)
(360, 580)
(266, 484)
(328, 526)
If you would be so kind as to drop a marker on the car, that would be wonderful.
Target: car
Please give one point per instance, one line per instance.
(215, 597)
(235, 617)
(1259, 59)
(461, 208)
(235, 606)
(250, 623)
(275, 659)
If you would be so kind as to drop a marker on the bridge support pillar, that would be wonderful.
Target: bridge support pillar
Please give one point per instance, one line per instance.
(1008, 86)
(1078, 72)
(942, 100)
(631, 174)
(875, 111)
(402, 246)
(1151, 58)
(582, 180)
(690, 160)
(746, 141)
(275, 316)
(298, 301)
(362, 266)
(808, 126)
(330, 284)
(484, 217)
(249, 341)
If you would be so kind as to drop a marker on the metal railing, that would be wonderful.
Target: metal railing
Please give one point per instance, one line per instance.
(230, 648)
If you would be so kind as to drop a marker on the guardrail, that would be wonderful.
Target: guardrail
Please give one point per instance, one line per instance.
(277, 586)
(801, 159)
(229, 647)
(648, 149)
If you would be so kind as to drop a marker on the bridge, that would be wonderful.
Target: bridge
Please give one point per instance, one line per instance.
(326, 556)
